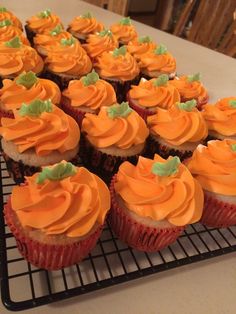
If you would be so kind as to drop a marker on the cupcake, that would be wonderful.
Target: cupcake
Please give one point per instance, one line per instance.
(7, 15)
(177, 131)
(88, 94)
(40, 134)
(100, 42)
(124, 31)
(157, 62)
(152, 202)
(139, 46)
(67, 62)
(43, 21)
(190, 87)
(24, 89)
(149, 95)
(16, 58)
(57, 216)
(214, 166)
(116, 134)
(221, 118)
(8, 31)
(84, 25)
(46, 41)
(118, 68)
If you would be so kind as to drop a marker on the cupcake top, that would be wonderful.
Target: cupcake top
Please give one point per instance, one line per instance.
(43, 21)
(221, 117)
(124, 31)
(16, 58)
(190, 87)
(6, 15)
(155, 93)
(68, 58)
(140, 46)
(8, 31)
(117, 64)
(117, 126)
(85, 24)
(62, 200)
(41, 126)
(51, 38)
(157, 60)
(161, 190)
(90, 92)
(182, 123)
(100, 42)
(25, 88)
(214, 166)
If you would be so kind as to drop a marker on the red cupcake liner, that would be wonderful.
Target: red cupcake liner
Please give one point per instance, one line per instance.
(5, 114)
(137, 235)
(218, 214)
(61, 81)
(144, 113)
(75, 113)
(102, 164)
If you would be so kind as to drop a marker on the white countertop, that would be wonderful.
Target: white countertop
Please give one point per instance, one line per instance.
(204, 287)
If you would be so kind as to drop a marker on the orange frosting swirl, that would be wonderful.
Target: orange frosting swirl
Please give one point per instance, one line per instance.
(13, 61)
(148, 95)
(178, 126)
(122, 67)
(177, 198)
(48, 42)
(71, 60)
(48, 132)
(151, 62)
(221, 117)
(137, 49)
(9, 32)
(93, 96)
(190, 90)
(84, 25)
(214, 166)
(97, 44)
(12, 95)
(124, 33)
(40, 25)
(122, 132)
(6, 15)
(71, 206)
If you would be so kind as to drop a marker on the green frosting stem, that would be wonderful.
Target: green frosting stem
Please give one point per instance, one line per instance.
(188, 105)
(144, 39)
(87, 15)
(14, 43)
(160, 50)
(233, 147)
(68, 42)
(125, 21)
(3, 9)
(195, 77)
(57, 172)
(122, 110)
(90, 79)
(5, 23)
(27, 79)
(161, 80)
(35, 108)
(166, 169)
(44, 14)
(232, 103)
(119, 51)
(57, 30)
(105, 32)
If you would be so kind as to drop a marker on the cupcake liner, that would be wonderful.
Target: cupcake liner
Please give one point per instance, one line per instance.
(102, 164)
(75, 113)
(5, 114)
(218, 214)
(18, 170)
(144, 113)
(30, 35)
(154, 147)
(137, 235)
(147, 77)
(62, 82)
(49, 256)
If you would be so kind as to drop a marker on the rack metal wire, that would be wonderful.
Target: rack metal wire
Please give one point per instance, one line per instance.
(111, 262)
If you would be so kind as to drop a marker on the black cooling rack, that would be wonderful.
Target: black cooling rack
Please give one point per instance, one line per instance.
(111, 262)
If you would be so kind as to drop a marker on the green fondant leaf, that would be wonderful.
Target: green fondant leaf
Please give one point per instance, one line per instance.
(188, 105)
(68, 42)
(125, 21)
(3, 9)
(36, 108)
(166, 169)
(233, 147)
(194, 77)
(90, 78)
(160, 50)
(87, 15)
(44, 14)
(13, 43)
(161, 80)
(122, 110)
(232, 103)
(27, 79)
(57, 30)
(105, 32)
(5, 23)
(56, 173)
(119, 51)
(144, 39)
